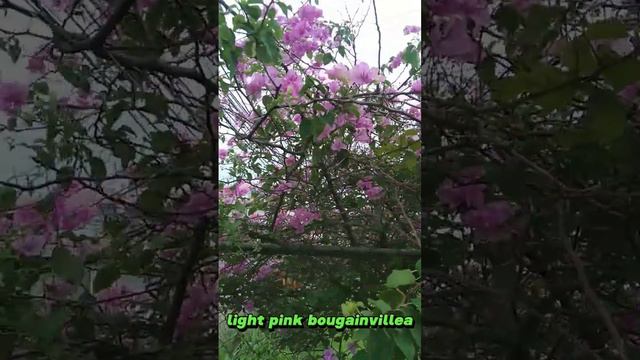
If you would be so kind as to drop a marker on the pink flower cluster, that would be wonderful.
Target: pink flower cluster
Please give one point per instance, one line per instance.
(360, 74)
(372, 191)
(230, 194)
(200, 203)
(201, 295)
(13, 96)
(467, 195)
(235, 269)
(266, 269)
(303, 33)
(456, 26)
(73, 209)
(297, 219)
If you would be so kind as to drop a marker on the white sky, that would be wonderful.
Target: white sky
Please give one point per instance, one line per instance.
(393, 16)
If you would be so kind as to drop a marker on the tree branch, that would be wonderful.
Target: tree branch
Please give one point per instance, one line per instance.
(320, 251)
(589, 293)
(168, 330)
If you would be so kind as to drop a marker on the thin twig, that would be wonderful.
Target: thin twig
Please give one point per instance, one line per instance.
(588, 290)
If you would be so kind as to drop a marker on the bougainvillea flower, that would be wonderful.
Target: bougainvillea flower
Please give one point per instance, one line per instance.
(13, 96)
(30, 245)
(199, 204)
(28, 217)
(309, 12)
(450, 38)
(242, 188)
(338, 72)
(396, 60)
(255, 84)
(416, 86)
(476, 10)
(453, 195)
(36, 64)
(290, 160)
(75, 207)
(488, 217)
(372, 191)
(629, 93)
(338, 145)
(292, 83)
(115, 299)
(411, 29)
(58, 289)
(362, 74)
(329, 354)
(257, 217)
(222, 154)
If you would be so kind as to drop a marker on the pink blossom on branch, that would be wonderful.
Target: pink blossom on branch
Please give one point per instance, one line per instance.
(30, 245)
(469, 195)
(13, 96)
(362, 74)
(488, 217)
(409, 29)
(338, 145)
(450, 38)
(372, 191)
(75, 207)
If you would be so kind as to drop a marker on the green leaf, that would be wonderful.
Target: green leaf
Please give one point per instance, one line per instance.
(284, 7)
(327, 58)
(98, 169)
(250, 48)
(267, 100)
(50, 327)
(606, 29)
(266, 47)
(156, 104)
(623, 73)
(67, 265)
(124, 152)
(349, 308)
(606, 116)
(41, 87)
(508, 89)
(105, 277)
(151, 200)
(14, 50)
(579, 57)
(7, 344)
(412, 57)
(507, 18)
(78, 77)
(393, 297)
(381, 305)
(402, 338)
(310, 128)
(400, 278)
(378, 345)
(163, 141)
(253, 11)
(8, 197)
